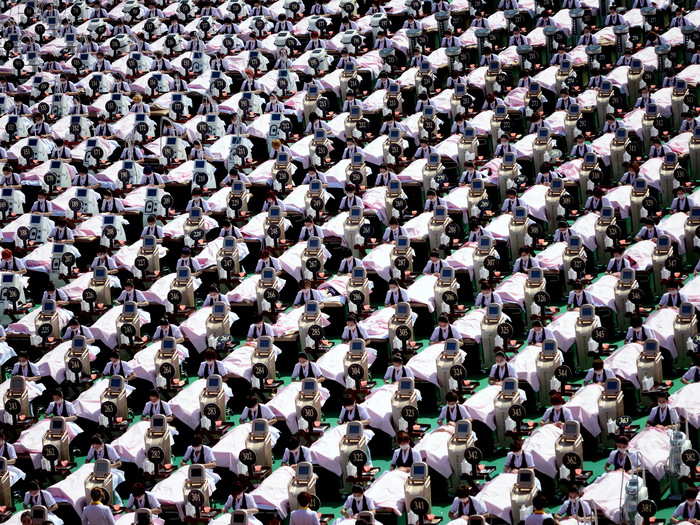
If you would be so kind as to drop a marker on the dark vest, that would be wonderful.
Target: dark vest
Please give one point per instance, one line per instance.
(686, 512)
(400, 462)
(666, 420)
(300, 456)
(119, 371)
(456, 417)
(461, 507)
(206, 369)
(579, 512)
(355, 417)
(359, 508)
(161, 409)
(63, 412)
(449, 333)
(627, 465)
(523, 461)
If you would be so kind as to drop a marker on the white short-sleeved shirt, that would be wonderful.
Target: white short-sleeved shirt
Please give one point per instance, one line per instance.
(43, 498)
(205, 455)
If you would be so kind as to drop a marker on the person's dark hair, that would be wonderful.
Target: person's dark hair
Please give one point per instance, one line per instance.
(237, 487)
(304, 499)
(462, 491)
(538, 502)
(33, 485)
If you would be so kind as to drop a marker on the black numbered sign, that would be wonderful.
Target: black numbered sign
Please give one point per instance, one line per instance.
(516, 412)
(458, 372)
(260, 371)
(89, 295)
(473, 455)
(563, 373)
(646, 508)
(50, 453)
(75, 365)
(358, 458)
(356, 372)
(271, 295)
(571, 460)
(155, 455)
(409, 413)
(309, 413)
(449, 298)
(420, 506)
(174, 296)
(315, 332)
(247, 457)
(541, 298)
(212, 411)
(403, 332)
(167, 370)
(108, 409)
(578, 264)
